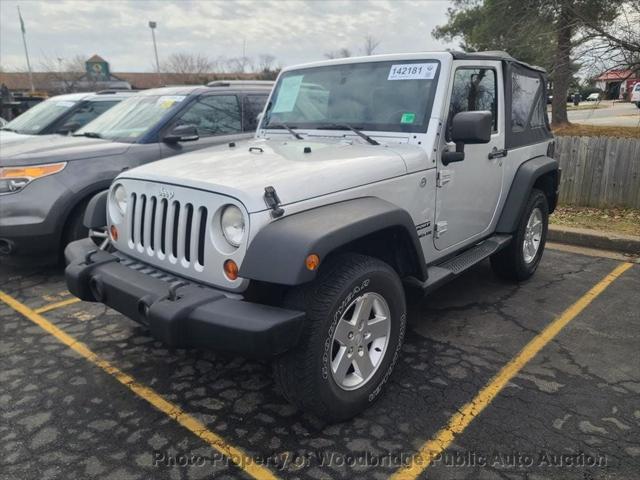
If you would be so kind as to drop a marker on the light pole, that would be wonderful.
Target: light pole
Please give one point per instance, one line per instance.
(152, 26)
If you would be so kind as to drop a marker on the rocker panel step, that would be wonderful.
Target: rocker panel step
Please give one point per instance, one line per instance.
(449, 269)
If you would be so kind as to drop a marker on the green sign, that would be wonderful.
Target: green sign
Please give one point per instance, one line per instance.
(98, 70)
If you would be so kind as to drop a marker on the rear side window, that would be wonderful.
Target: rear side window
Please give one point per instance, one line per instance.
(524, 97)
(252, 106)
(214, 115)
(474, 89)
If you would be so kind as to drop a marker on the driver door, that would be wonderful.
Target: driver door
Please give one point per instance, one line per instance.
(468, 192)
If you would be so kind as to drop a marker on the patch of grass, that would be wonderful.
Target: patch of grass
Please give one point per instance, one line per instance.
(618, 220)
(579, 130)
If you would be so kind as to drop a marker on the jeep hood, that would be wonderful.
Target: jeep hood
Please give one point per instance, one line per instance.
(244, 171)
(41, 149)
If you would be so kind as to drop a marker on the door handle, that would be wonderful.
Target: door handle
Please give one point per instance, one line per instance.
(495, 153)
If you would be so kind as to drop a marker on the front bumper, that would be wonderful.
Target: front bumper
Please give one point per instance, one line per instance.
(180, 314)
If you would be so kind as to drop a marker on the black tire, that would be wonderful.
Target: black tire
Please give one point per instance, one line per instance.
(304, 374)
(510, 263)
(74, 228)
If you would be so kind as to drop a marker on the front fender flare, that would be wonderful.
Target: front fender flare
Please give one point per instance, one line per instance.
(277, 253)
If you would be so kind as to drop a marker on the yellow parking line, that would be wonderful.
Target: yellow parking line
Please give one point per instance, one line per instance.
(461, 420)
(53, 306)
(235, 455)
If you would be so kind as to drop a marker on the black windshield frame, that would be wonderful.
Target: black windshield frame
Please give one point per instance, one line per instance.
(420, 124)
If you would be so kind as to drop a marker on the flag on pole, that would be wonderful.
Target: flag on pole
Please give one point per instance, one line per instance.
(21, 21)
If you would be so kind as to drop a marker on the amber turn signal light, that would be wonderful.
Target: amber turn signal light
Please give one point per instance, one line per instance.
(231, 269)
(114, 233)
(312, 262)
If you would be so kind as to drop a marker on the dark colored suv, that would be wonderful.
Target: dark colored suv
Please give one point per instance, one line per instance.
(46, 182)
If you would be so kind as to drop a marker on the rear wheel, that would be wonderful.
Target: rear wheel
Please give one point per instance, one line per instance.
(521, 258)
(356, 317)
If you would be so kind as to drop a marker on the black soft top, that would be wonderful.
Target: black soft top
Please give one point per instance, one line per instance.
(494, 55)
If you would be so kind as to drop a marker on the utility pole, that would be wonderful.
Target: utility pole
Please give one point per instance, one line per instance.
(26, 50)
(152, 26)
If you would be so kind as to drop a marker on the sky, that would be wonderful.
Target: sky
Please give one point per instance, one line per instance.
(294, 31)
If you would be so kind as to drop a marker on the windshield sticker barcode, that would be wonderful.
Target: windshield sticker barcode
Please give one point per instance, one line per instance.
(413, 71)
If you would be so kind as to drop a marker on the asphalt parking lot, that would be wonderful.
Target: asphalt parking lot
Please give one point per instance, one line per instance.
(128, 408)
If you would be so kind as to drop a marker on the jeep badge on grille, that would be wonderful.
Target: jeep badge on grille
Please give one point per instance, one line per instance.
(165, 193)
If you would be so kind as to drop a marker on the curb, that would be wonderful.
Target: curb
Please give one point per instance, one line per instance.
(584, 237)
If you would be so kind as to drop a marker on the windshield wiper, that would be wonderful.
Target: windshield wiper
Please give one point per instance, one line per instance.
(345, 126)
(287, 127)
(88, 135)
(6, 129)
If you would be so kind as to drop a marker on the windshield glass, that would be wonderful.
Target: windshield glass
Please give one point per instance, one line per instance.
(131, 118)
(39, 116)
(381, 96)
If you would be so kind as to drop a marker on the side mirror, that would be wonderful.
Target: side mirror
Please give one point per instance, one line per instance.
(182, 133)
(68, 128)
(258, 118)
(471, 128)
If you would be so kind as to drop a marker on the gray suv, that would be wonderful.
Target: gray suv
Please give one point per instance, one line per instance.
(46, 182)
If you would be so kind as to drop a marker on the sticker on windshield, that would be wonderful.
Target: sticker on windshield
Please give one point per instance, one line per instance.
(408, 117)
(288, 94)
(413, 71)
(65, 104)
(167, 101)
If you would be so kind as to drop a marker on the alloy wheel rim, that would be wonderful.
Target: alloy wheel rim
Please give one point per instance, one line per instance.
(360, 341)
(532, 236)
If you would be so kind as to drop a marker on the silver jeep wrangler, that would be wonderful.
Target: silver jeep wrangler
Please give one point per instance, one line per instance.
(366, 176)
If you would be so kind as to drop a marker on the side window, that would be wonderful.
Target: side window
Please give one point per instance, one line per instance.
(214, 115)
(252, 106)
(474, 89)
(523, 95)
(88, 112)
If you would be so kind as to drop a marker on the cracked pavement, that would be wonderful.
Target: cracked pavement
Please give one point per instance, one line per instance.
(61, 417)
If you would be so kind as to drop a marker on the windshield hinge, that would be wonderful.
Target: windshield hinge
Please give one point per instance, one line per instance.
(273, 202)
(444, 177)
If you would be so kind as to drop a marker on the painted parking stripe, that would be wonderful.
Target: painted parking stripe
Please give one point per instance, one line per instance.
(235, 455)
(56, 305)
(461, 420)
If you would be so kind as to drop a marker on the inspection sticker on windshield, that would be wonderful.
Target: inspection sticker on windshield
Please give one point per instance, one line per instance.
(166, 101)
(413, 71)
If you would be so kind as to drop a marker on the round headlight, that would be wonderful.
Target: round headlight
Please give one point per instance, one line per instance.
(232, 224)
(120, 198)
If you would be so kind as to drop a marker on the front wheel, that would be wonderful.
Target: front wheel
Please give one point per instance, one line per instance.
(520, 259)
(356, 319)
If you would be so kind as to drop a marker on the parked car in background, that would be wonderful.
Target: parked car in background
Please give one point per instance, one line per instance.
(366, 175)
(635, 94)
(62, 114)
(45, 183)
(593, 97)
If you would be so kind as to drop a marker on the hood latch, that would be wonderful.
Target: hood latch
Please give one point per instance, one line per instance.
(273, 202)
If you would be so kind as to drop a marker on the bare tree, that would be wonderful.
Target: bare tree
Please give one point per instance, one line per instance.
(341, 53)
(370, 45)
(265, 62)
(613, 46)
(63, 75)
(192, 68)
(239, 64)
